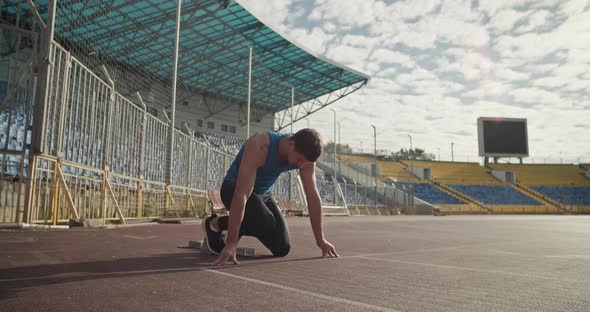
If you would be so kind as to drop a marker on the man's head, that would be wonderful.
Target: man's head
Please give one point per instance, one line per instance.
(306, 146)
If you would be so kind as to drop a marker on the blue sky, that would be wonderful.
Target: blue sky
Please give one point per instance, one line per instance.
(436, 66)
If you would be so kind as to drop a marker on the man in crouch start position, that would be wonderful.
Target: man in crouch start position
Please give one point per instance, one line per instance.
(247, 192)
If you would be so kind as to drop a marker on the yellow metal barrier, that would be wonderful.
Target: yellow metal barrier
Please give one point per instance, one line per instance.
(62, 190)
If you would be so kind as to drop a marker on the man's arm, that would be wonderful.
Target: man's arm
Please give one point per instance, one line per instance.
(314, 206)
(254, 156)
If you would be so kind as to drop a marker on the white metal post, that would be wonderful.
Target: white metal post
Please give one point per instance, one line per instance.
(40, 97)
(143, 137)
(37, 139)
(412, 171)
(335, 170)
(62, 105)
(249, 94)
(339, 138)
(174, 79)
(375, 172)
(292, 104)
(191, 133)
(108, 118)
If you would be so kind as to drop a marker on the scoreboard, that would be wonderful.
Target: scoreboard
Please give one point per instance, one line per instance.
(502, 137)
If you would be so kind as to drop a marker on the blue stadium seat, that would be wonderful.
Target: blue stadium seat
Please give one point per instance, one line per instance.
(495, 194)
(430, 193)
(353, 197)
(567, 195)
(326, 190)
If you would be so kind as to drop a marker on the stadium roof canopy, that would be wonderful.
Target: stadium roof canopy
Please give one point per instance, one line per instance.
(215, 38)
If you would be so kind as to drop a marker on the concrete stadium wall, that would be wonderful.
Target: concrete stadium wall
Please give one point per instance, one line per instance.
(193, 110)
(191, 107)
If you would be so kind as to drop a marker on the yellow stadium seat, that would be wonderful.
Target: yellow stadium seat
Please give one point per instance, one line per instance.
(457, 173)
(546, 175)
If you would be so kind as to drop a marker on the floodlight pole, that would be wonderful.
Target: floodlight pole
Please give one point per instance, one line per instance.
(170, 155)
(411, 172)
(452, 153)
(40, 102)
(335, 170)
(375, 172)
(39, 110)
(249, 94)
(339, 138)
(292, 104)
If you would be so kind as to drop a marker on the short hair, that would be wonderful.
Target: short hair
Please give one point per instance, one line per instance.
(308, 142)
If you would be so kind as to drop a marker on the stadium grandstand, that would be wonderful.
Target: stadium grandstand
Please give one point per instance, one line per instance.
(123, 117)
(470, 188)
(133, 110)
(568, 186)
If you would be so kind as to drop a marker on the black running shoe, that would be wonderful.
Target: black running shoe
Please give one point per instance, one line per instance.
(213, 241)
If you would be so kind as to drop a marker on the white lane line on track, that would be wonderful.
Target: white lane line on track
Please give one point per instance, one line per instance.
(305, 292)
(569, 256)
(444, 266)
(94, 274)
(139, 237)
(442, 248)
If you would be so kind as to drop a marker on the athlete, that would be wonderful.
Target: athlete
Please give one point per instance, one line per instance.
(247, 191)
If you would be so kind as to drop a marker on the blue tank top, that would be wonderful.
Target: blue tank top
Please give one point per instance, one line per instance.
(266, 175)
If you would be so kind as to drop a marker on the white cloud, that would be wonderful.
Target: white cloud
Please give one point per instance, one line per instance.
(444, 29)
(528, 47)
(329, 27)
(471, 64)
(577, 85)
(385, 56)
(272, 13)
(536, 96)
(411, 9)
(379, 84)
(487, 89)
(349, 13)
(357, 41)
(579, 56)
(574, 6)
(534, 20)
(492, 7)
(315, 40)
(390, 72)
(505, 20)
(461, 33)
(438, 65)
(549, 82)
(460, 10)
(414, 39)
(570, 71)
(509, 74)
(345, 54)
(416, 74)
(541, 68)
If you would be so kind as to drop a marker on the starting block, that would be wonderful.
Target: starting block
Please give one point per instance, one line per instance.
(240, 251)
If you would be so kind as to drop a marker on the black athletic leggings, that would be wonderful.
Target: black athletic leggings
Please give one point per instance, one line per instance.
(262, 219)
